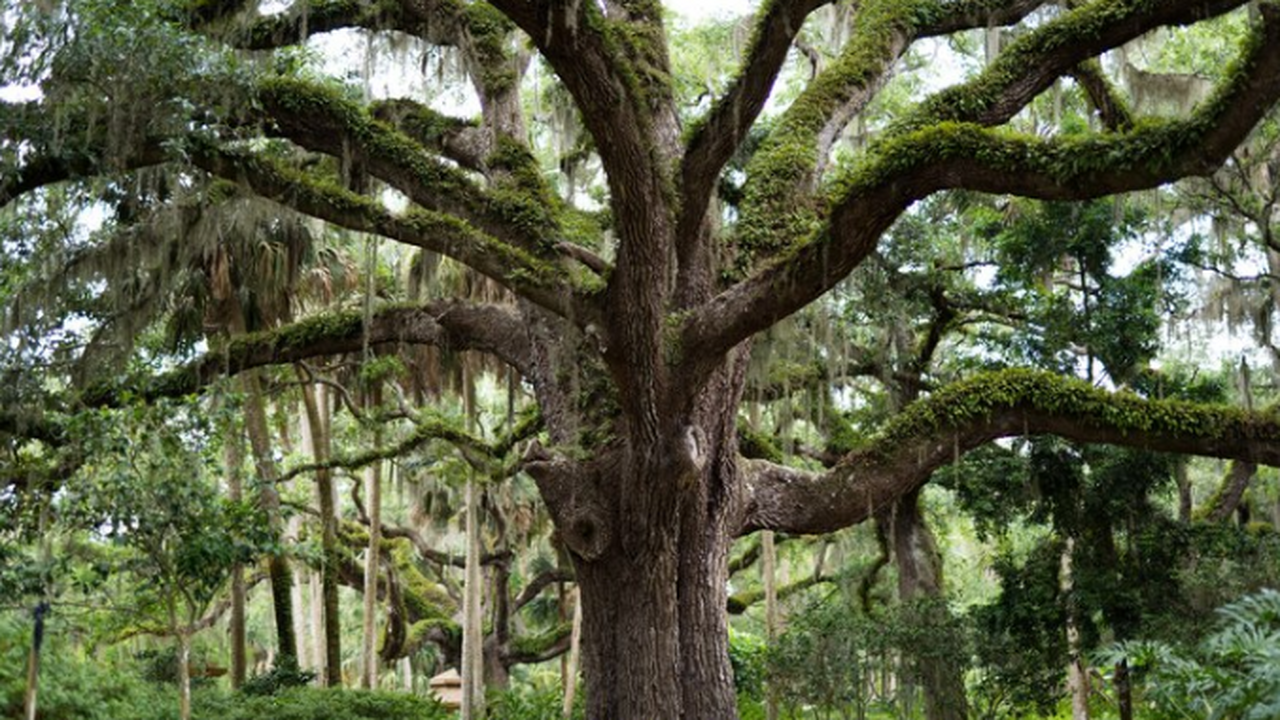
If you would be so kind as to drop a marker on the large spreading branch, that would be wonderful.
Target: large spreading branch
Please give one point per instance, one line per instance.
(540, 281)
(459, 325)
(320, 119)
(937, 430)
(909, 166)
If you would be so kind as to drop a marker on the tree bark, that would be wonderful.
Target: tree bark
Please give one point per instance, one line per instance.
(1077, 673)
(472, 632)
(920, 578)
(255, 417)
(769, 560)
(184, 673)
(1124, 691)
(234, 452)
(570, 667)
(373, 500)
(318, 425)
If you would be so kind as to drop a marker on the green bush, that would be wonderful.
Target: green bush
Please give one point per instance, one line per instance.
(73, 686)
(317, 704)
(281, 677)
(531, 702)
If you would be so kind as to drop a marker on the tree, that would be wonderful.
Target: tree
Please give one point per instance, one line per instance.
(147, 490)
(633, 325)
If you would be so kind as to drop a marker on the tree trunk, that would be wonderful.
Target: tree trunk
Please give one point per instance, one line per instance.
(318, 425)
(1077, 673)
(234, 456)
(769, 570)
(1124, 691)
(654, 628)
(472, 632)
(570, 666)
(373, 498)
(255, 417)
(33, 662)
(184, 673)
(920, 578)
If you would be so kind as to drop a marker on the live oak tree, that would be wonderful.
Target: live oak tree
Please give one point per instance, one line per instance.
(632, 326)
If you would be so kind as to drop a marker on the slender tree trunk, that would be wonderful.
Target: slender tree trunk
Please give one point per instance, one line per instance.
(269, 499)
(318, 423)
(37, 621)
(920, 578)
(1077, 673)
(234, 456)
(570, 668)
(373, 499)
(1184, 492)
(299, 600)
(33, 662)
(1124, 691)
(184, 673)
(472, 630)
(769, 570)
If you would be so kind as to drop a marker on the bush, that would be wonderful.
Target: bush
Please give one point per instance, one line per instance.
(73, 687)
(283, 676)
(317, 704)
(532, 702)
(1233, 675)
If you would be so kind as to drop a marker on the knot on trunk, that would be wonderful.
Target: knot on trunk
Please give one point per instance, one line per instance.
(573, 499)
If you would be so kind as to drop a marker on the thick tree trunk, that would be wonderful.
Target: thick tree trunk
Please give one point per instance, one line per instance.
(653, 590)
(920, 578)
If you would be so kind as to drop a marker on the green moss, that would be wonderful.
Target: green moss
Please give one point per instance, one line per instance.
(978, 397)
(489, 31)
(771, 219)
(535, 645)
(755, 444)
(419, 122)
(327, 106)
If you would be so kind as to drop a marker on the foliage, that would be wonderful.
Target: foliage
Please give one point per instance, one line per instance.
(832, 652)
(532, 701)
(748, 655)
(1234, 674)
(72, 686)
(318, 704)
(283, 676)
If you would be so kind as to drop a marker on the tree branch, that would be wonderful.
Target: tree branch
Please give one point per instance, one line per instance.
(935, 431)
(539, 281)
(496, 329)
(1031, 64)
(718, 136)
(907, 167)
(319, 119)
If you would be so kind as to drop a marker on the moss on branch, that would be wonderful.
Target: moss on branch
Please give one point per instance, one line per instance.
(976, 399)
